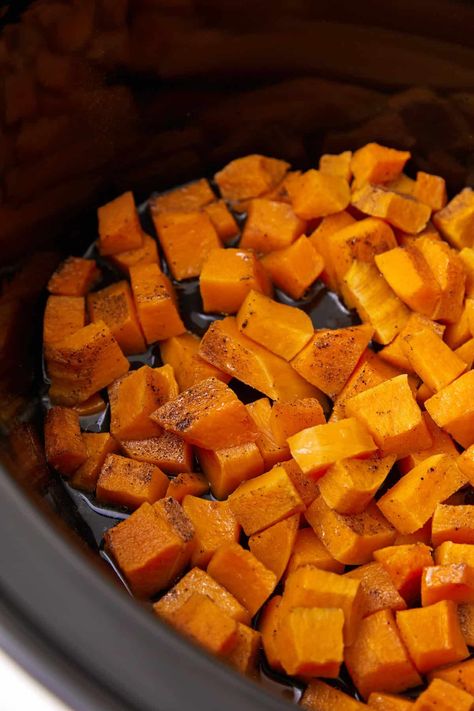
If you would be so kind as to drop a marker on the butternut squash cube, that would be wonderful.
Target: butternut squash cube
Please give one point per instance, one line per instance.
(452, 408)
(149, 547)
(377, 589)
(306, 486)
(391, 414)
(413, 499)
(447, 582)
(460, 675)
(432, 359)
(267, 624)
(401, 211)
(197, 580)
(265, 500)
(430, 189)
(394, 354)
(272, 453)
(350, 539)
(322, 697)
(283, 330)
(449, 273)
(458, 333)
(331, 356)
(125, 482)
(168, 451)
(339, 165)
(288, 418)
(305, 654)
(250, 176)
(405, 565)
(63, 316)
(374, 163)
(407, 272)
(188, 198)
(209, 415)
(182, 353)
(317, 194)
(321, 239)
(227, 276)
(349, 484)
(308, 550)
(444, 644)
(452, 523)
(65, 448)
(316, 448)
(441, 444)
(294, 268)
(443, 696)
(155, 302)
(378, 659)
(98, 445)
(274, 545)
(146, 254)
(119, 225)
(270, 225)
(223, 220)
(466, 255)
(214, 524)
(456, 220)
(242, 574)
(226, 468)
(114, 306)
(245, 655)
(187, 483)
(375, 301)
(449, 552)
(74, 277)
(226, 348)
(186, 239)
(389, 702)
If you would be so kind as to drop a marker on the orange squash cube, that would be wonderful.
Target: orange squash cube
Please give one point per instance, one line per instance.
(322, 697)
(270, 225)
(98, 445)
(63, 316)
(456, 220)
(441, 444)
(413, 499)
(119, 225)
(146, 254)
(460, 675)
(378, 659)
(187, 483)
(408, 274)
(447, 582)
(74, 277)
(182, 353)
(405, 565)
(401, 211)
(245, 655)
(274, 545)
(449, 552)
(272, 453)
(188, 198)
(208, 415)
(155, 302)
(374, 163)
(449, 272)
(339, 165)
(322, 238)
(452, 523)
(65, 448)
(375, 301)
(330, 357)
(308, 550)
(148, 545)
(466, 353)
(114, 306)
(458, 333)
(316, 448)
(268, 624)
(198, 581)
(466, 255)
(394, 354)
(377, 589)
(227, 277)
(303, 654)
(265, 500)
(225, 347)
(186, 239)
(432, 635)
(389, 702)
(250, 176)
(466, 620)
(214, 524)
(430, 189)
(288, 418)
(226, 468)
(168, 451)
(350, 539)
(223, 220)
(294, 268)
(452, 408)
(349, 484)
(391, 414)
(443, 696)
(283, 330)
(126, 482)
(242, 574)
(317, 194)
(306, 486)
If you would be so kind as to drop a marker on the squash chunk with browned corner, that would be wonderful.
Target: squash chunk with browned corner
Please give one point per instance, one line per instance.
(452, 408)
(168, 451)
(316, 448)
(65, 448)
(378, 659)
(227, 276)
(114, 305)
(283, 329)
(119, 225)
(350, 538)
(187, 483)
(147, 546)
(209, 415)
(322, 697)
(226, 348)
(98, 446)
(226, 468)
(125, 482)
(330, 357)
(265, 500)
(461, 675)
(182, 353)
(214, 524)
(294, 268)
(377, 589)
(156, 304)
(401, 211)
(405, 564)
(274, 545)
(74, 277)
(242, 574)
(288, 418)
(392, 416)
(63, 316)
(245, 654)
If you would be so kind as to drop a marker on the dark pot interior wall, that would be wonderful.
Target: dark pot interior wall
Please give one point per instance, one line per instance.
(99, 96)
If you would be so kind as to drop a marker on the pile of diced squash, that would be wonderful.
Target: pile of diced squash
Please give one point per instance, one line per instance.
(330, 521)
